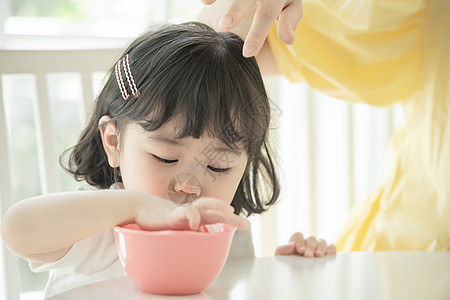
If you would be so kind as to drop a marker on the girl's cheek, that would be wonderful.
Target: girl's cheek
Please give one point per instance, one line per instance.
(224, 189)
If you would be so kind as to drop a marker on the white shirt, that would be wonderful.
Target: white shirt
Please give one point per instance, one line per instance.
(95, 259)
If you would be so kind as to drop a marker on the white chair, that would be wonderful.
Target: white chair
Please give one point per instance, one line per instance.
(40, 63)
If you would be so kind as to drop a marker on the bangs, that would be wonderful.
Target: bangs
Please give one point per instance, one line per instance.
(207, 87)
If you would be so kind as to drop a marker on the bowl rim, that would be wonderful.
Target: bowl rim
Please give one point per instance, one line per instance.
(121, 228)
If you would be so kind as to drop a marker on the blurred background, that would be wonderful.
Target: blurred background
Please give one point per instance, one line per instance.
(330, 152)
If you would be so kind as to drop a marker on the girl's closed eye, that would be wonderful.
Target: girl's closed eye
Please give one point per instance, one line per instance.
(219, 170)
(163, 160)
(171, 161)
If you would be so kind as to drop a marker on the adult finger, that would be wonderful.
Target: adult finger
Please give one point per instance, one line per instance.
(321, 248)
(289, 17)
(237, 10)
(207, 2)
(265, 15)
(311, 244)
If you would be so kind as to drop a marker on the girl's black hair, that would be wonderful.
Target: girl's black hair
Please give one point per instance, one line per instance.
(198, 75)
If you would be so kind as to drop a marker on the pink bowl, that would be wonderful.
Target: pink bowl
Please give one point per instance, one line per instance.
(173, 262)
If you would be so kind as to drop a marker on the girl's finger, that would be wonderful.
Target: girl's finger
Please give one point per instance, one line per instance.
(288, 249)
(184, 218)
(311, 245)
(288, 20)
(299, 241)
(331, 249)
(211, 217)
(237, 10)
(296, 237)
(204, 204)
(321, 248)
(194, 218)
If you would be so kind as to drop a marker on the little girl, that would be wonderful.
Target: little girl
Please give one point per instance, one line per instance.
(177, 139)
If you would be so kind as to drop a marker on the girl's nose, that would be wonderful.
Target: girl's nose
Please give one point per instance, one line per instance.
(184, 188)
(188, 186)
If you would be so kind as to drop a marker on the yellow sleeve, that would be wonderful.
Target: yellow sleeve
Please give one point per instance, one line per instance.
(380, 52)
(363, 51)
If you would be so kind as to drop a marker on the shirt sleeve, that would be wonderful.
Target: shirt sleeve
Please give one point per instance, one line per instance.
(87, 256)
(380, 52)
(361, 51)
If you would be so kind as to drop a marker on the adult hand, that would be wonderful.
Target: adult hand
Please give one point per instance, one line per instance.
(287, 12)
(309, 247)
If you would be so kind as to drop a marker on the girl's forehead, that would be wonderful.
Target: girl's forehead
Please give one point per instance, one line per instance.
(168, 133)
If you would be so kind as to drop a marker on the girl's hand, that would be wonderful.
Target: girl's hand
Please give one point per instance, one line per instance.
(287, 12)
(309, 247)
(168, 215)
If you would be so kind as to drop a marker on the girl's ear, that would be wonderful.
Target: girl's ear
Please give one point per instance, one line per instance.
(110, 140)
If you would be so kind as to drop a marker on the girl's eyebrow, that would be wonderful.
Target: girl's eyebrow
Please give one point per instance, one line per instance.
(165, 140)
(228, 150)
(171, 141)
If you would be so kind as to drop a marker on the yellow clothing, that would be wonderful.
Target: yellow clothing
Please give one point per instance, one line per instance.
(382, 52)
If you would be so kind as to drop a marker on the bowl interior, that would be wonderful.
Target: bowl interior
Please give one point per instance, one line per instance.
(211, 228)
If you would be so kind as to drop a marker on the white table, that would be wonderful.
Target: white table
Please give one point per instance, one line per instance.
(356, 275)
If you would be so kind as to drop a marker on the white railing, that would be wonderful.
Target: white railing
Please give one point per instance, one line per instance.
(10, 265)
(40, 64)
